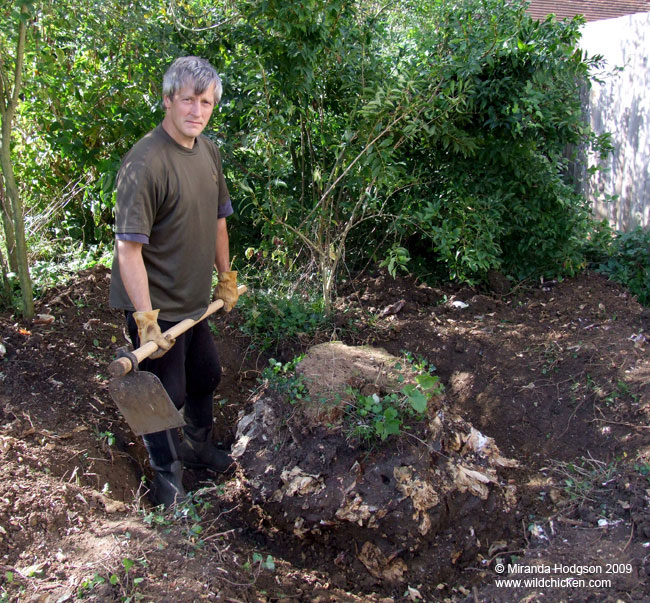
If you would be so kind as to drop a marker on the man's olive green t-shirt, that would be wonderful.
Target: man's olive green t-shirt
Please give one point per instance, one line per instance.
(171, 195)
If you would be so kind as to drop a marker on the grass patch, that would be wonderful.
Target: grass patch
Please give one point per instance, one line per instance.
(584, 481)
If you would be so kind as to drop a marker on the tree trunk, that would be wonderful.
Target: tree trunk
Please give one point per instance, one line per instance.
(6, 286)
(328, 265)
(19, 222)
(8, 226)
(8, 103)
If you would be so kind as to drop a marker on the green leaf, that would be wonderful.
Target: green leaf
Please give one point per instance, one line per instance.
(390, 413)
(418, 401)
(427, 382)
(392, 427)
(409, 389)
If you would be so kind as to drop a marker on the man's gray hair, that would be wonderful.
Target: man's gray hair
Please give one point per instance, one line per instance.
(191, 71)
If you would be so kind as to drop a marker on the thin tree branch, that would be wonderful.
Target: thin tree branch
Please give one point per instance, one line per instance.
(180, 25)
(20, 60)
(4, 89)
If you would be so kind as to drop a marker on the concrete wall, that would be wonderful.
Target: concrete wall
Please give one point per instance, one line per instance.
(621, 106)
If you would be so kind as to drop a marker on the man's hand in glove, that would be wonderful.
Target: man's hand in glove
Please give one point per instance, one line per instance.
(149, 330)
(226, 289)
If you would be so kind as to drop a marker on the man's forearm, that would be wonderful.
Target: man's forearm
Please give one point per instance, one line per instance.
(134, 274)
(222, 251)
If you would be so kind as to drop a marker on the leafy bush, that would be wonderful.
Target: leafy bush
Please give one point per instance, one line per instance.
(271, 316)
(387, 149)
(54, 264)
(625, 258)
(436, 131)
(397, 258)
(283, 301)
(496, 193)
(92, 88)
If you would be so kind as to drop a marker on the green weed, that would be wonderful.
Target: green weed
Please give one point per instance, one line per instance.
(105, 437)
(156, 518)
(620, 392)
(551, 356)
(89, 584)
(283, 379)
(271, 317)
(584, 480)
(418, 362)
(123, 581)
(374, 417)
(267, 563)
(187, 516)
(11, 590)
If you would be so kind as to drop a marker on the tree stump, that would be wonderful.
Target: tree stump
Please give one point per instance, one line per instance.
(438, 484)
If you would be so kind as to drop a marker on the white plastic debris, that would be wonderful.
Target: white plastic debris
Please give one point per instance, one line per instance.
(537, 531)
(638, 339)
(459, 304)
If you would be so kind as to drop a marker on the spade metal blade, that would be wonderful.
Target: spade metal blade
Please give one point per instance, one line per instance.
(145, 404)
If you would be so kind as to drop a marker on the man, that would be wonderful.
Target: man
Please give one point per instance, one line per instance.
(170, 221)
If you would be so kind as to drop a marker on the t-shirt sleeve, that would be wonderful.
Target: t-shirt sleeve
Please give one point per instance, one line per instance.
(135, 238)
(135, 199)
(225, 210)
(224, 202)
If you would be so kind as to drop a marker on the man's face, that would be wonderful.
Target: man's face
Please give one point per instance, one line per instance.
(187, 114)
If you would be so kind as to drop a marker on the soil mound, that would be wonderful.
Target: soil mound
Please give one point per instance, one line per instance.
(385, 502)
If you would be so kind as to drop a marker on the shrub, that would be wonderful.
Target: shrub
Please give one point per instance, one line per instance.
(271, 316)
(496, 192)
(625, 258)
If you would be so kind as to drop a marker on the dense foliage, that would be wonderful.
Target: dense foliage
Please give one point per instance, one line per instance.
(92, 88)
(624, 257)
(449, 132)
(432, 136)
(499, 197)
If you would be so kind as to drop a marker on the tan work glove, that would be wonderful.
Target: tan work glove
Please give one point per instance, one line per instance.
(227, 289)
(149, 330)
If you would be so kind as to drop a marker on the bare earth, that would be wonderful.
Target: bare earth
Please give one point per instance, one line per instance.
(558, 375)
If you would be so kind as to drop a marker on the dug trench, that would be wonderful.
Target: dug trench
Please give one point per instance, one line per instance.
(536, 452)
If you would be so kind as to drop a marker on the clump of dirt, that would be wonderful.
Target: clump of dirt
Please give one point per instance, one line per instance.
(330, 370)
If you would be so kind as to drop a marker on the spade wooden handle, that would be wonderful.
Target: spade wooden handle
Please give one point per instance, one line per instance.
(121, 366)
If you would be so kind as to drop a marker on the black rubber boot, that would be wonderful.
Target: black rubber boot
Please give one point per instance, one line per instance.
(197, 451)
(167, 486)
